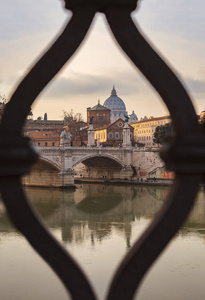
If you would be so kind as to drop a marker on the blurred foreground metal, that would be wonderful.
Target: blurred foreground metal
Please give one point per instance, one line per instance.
(184, 154)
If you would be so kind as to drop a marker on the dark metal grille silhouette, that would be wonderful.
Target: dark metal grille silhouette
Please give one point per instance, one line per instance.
(183, 154)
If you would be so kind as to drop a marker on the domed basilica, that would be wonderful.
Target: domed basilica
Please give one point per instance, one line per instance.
(116, 105)
(113, 109)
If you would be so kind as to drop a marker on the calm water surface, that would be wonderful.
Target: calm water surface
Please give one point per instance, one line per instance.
(98, 224)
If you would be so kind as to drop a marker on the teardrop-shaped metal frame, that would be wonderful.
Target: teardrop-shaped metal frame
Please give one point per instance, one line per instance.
(179, 201)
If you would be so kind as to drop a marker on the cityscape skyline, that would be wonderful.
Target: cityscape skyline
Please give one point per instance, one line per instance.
(175, 28)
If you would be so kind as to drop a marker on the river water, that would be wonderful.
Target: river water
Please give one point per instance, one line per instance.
(98, 224)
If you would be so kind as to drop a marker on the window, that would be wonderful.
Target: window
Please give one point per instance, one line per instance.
(39, 144)
(53, 144)
(100, 117)
(46, 144)
(110, 136)
(117, 135)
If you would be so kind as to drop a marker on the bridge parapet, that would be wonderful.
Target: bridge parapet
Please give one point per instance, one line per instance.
(118, 161)
(75, 155)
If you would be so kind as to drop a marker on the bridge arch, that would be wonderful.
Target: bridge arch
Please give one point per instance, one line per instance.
(117, 163)
(50, 163)
(100, 166)
(44, 172)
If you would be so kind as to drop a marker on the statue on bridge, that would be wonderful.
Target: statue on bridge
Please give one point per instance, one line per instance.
(126, 118)
(91, 119)
(65, 138)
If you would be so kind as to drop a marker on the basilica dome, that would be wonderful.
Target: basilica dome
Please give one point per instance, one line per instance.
(133, 117)
(116, 105)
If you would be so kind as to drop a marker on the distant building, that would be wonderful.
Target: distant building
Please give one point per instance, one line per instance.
(100, 113)
(144, 129)
(133, 117)
(44, 125)
(116, 106)
(44, 138)
(44, 133)
(112, 134)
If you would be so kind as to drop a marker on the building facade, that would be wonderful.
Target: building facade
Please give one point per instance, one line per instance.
(44, 125)
(144, 130)
(100, 114)
(112, 134)
(44, 133)
(45, 138)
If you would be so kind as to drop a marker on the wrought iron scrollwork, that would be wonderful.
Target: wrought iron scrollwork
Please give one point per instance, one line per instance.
(184, 154)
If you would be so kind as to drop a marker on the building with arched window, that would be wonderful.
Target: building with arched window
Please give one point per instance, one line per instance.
(112, 134)
(100, 114)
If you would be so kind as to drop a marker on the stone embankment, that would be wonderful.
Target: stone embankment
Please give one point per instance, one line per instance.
(150, 182)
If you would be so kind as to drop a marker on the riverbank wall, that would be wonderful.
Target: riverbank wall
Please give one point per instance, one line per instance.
(161, 182)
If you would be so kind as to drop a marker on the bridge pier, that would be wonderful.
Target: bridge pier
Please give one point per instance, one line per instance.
(67, 179)
(67, 174)
(126, 172)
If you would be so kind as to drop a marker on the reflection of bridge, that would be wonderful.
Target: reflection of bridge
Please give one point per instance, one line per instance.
(55, 166)
(70, 210)
(91, 211)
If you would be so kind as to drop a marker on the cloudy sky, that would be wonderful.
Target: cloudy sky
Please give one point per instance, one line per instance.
(176, 28)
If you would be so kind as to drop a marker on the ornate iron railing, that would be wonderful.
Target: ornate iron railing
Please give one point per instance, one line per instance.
(184, 154)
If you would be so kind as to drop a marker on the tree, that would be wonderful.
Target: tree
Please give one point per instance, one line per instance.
(70, 117)
(76, 126)
(161, 132)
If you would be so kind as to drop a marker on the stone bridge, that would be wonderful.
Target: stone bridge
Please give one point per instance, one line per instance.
(56, 165)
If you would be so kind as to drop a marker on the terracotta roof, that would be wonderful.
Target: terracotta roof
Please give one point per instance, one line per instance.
(152, 119)
(43, 135)
(110, 124)
(98, 107)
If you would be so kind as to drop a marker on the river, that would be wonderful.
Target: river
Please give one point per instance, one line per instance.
(98, 224)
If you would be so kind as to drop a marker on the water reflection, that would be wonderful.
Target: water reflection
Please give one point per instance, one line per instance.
(101, 207)
(92, 220)
(92, 211)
